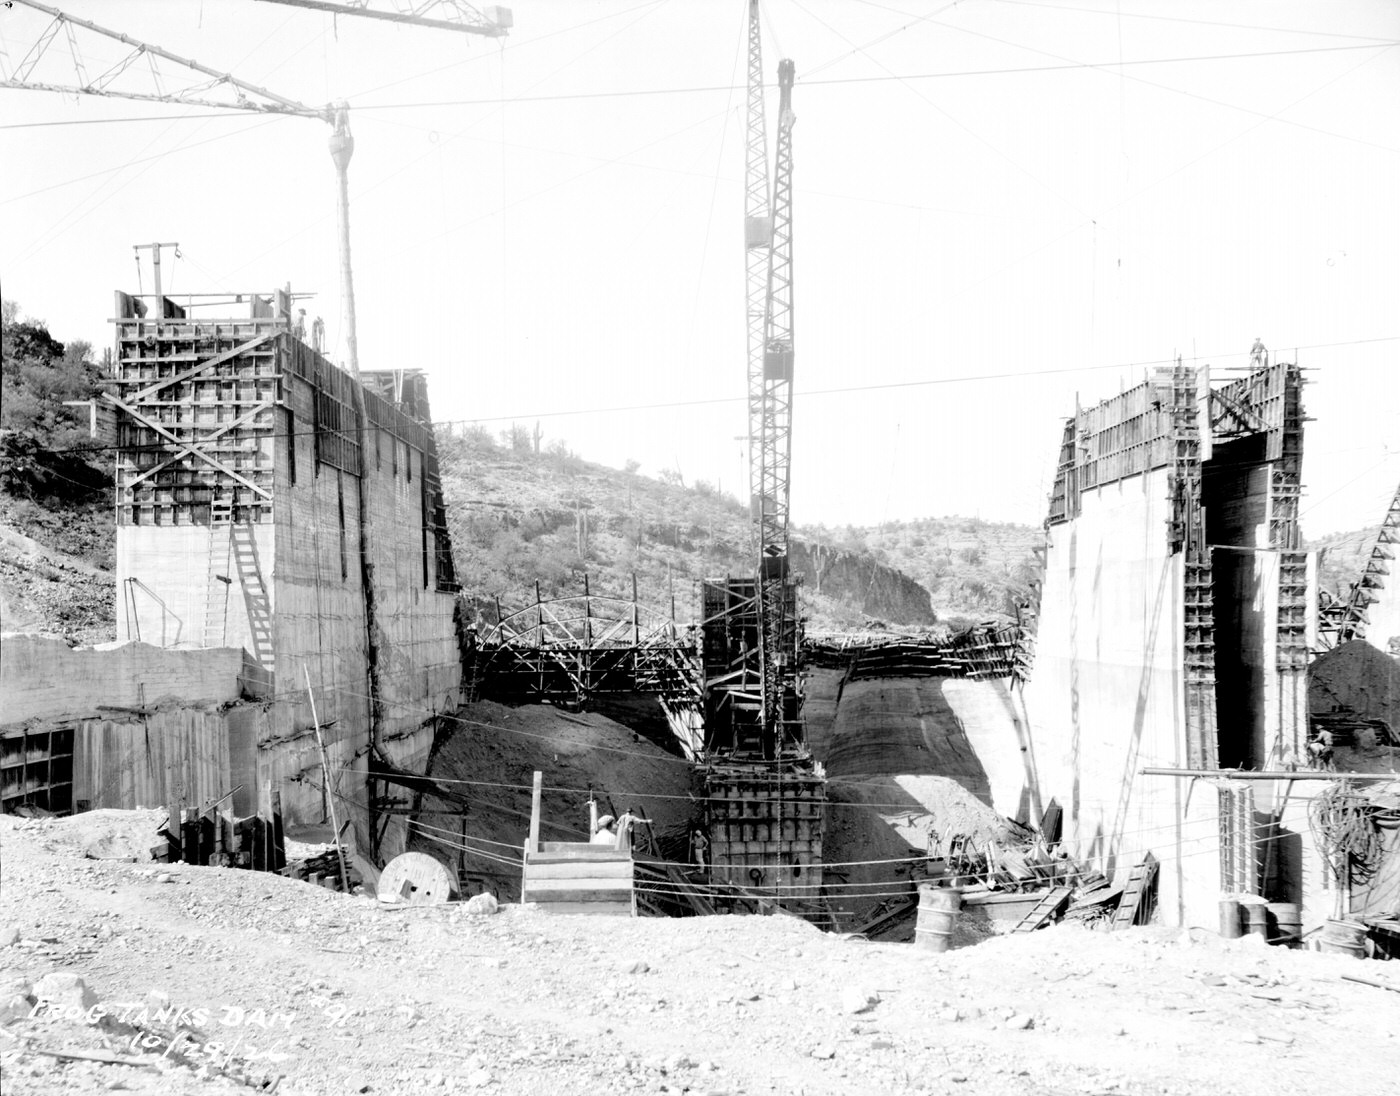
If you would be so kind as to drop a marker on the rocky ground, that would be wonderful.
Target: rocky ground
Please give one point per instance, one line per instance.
(175, 979)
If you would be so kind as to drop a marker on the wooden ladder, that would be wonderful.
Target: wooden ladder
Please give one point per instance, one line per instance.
(1054, 902)
(216, 591)
(244, 548)
(1138, 887)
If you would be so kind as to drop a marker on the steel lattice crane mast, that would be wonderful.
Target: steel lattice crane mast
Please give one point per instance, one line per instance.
(764, 794)
(758, 239)
(771, 448)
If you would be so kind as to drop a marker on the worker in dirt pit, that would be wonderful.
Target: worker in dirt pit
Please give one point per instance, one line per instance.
(1320, 750)
(605, 833)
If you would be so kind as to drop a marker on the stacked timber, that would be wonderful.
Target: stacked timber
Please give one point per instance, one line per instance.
(576, 876)
(212, 837)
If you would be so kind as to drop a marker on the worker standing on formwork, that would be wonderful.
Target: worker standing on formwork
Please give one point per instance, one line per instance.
(630, 818)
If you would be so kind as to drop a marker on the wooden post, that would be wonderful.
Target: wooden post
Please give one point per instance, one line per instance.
(535, 812)
(172, 832)
(326, 777)
(277, 849)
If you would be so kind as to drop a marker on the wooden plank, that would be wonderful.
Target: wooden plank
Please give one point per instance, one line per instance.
(581, 869)
(577, 850)
(582, 895)
(222, 430)
(903, 907)
(595, 909)
(218, 359)
(1138, 885)
(699, 902)
(1050, 906)
(189, 447)
(610, 886)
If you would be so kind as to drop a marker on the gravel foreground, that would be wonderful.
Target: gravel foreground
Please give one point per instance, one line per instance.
(208, 980)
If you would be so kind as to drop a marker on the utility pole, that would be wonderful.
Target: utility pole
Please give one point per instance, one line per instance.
(342, 146)
(155, 249)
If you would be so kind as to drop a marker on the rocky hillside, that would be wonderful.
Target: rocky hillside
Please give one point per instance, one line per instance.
(521, 512)
(1344, 557)
(519, 516)
(56, 532)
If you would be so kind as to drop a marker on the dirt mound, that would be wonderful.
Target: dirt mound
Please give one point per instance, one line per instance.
(210, 981)
(489, 758)
(100, 835)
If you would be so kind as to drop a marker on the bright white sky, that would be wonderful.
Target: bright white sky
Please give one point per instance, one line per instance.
(984, 231)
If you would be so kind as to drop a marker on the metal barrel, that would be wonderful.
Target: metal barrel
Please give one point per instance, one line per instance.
(1285, 924)
(1343, 938)
(1230, 918)
(937, 914)
(1256, 917)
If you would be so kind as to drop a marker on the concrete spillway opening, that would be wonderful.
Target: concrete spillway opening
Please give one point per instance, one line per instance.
(911, 763)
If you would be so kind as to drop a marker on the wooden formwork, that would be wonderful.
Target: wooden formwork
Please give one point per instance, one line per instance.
(765, 828)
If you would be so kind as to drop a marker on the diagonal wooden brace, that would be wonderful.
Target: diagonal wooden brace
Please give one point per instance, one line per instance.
(220, 432)
(186, 447)
(218, 359)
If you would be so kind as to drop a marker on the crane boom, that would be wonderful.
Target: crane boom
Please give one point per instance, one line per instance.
(246, 96)
(493, 22)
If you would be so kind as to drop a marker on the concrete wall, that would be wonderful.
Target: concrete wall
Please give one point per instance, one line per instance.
(181, 755)
(165, 581)
(309, 574)
(969, 731)
(1105, 697)
(46, 679)
(320, 627)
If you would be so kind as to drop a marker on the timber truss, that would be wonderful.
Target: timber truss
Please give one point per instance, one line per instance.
(567, 650)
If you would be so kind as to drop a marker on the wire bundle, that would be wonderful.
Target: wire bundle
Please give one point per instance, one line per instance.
(1343, 822)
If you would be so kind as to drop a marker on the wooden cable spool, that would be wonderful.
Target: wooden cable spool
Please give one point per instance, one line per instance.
(416, 879)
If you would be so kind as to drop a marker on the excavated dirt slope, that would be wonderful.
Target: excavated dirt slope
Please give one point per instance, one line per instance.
(199, 979)
(490, 758)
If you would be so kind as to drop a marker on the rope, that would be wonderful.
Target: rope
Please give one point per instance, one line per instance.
(1344, 827)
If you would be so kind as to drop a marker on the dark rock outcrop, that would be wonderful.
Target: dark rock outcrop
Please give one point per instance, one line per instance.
(878, 591)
